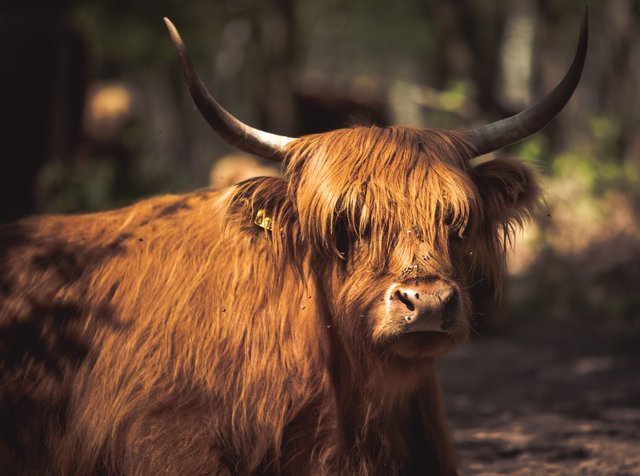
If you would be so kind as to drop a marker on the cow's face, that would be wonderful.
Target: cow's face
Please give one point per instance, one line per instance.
(397, 221)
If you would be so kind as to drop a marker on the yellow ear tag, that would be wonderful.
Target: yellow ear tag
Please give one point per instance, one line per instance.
(262, 220)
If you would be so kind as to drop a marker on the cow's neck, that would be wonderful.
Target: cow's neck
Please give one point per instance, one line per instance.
(384, 417)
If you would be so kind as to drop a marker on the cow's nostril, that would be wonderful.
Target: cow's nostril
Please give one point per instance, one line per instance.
(405, 300)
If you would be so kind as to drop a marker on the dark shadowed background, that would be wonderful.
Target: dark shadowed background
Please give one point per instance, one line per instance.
(95, 115)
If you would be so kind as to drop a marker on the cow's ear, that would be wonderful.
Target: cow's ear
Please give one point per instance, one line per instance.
(509, 189)
(260, 204)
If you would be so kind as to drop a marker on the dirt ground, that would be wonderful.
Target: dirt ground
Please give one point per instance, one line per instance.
(545, 398)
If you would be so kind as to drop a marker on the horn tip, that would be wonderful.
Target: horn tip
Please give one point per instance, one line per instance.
(585, 19)
(584, 36)
(173, 31)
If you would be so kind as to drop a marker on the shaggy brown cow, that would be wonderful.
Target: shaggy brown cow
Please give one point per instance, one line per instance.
(177, 336)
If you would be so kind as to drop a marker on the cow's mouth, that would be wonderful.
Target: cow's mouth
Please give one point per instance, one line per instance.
(423, 343)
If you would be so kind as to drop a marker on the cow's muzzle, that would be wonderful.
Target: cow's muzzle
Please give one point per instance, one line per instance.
(424, 305)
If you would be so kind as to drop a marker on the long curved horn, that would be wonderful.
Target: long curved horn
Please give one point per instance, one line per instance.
(520, 126)
(236, 133)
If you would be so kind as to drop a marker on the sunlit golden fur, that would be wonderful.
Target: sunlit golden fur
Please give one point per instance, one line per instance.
(176, 337)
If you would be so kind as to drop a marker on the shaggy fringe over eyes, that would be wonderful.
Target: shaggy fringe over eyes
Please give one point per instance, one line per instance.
(381, 184)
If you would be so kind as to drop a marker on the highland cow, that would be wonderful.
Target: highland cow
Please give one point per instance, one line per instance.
(285, 325)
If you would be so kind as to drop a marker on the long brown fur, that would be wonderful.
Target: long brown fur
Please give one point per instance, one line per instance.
(176, 337)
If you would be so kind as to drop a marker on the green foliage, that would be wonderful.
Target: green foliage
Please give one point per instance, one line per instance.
(67, 188)
(455, 96)
(597, 164)
(534, 150)
(133, 36)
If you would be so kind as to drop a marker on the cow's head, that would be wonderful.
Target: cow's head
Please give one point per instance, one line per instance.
(395, 220)
(398, 220)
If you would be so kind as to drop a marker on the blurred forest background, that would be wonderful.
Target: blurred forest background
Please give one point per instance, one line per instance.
(95, 115)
